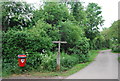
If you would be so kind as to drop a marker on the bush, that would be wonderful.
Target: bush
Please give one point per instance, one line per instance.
(76, 42)
(68, 61)
(100, 42)
(33, 41)
(116, 48)
(49, 62)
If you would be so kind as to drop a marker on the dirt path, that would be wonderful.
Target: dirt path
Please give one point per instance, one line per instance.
(105, 66)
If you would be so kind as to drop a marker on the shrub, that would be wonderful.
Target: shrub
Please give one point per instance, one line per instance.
(15, 43)
(49, 62)
(33, 41)
(76, 42)
(100, 42)
(116, 48)
(68, 61)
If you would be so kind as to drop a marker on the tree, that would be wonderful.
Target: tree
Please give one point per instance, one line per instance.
(94, 19)
(55, 13)
(79, 13)
(16, 14)
(112, 32)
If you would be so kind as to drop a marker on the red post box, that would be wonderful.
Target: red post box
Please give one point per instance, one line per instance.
(22, 60)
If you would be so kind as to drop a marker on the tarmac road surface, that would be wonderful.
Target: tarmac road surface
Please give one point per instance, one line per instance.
(105, 66)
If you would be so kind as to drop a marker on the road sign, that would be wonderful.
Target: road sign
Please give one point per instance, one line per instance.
(58, 56)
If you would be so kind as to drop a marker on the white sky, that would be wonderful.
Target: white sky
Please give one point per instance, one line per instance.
(109, 9)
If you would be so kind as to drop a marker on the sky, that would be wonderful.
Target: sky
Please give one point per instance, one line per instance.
(109, 9)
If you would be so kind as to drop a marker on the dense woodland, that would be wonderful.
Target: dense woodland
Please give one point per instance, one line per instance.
(30, 31)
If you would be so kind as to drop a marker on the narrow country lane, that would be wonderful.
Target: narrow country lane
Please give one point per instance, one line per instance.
(105, 66)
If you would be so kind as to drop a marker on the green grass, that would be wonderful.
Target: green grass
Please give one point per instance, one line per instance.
(92, 53)
(65, 73)
(104, 48)
(0, 68)
(115, 52)
(119, 59)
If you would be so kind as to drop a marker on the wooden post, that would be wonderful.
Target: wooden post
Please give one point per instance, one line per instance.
(58, 58)
(58, 55)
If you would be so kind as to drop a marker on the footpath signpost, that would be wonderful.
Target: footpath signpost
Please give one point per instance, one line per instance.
(58, 55)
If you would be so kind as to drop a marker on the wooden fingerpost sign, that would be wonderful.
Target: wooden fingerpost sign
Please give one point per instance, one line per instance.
(58, 55)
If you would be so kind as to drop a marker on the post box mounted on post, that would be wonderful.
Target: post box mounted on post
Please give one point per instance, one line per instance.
(22, 60)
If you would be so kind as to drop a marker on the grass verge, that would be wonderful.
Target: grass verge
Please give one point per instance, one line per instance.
(76, 68)
(92, 53)
(119, 59)
(118, 56)
(115, 52)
